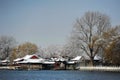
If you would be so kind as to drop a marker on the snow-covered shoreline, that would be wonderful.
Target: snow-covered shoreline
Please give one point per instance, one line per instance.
(7, 67)
(100, 68)
(89, 68)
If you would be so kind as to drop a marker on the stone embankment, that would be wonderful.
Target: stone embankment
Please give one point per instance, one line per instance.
(100, 68)
(7, 68)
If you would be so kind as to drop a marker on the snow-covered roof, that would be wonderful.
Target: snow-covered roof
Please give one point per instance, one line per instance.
(53, 59)
(97, 58)
(27, 56)
(76, 58)
(35, 60)
(4, 61)
(30, 56)
(32, 61)
(29, 59)
(58, 59)
(49, 62)
(18, 59)
(70, 62)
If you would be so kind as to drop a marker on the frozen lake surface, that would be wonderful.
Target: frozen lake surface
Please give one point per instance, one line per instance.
(57, 75)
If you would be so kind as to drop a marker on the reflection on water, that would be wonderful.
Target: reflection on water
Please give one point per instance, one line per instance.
(57, 75)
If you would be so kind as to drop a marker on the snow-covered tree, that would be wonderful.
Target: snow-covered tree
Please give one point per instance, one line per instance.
(53, 51)
(6, 45)
(41, 52)
(71, 50)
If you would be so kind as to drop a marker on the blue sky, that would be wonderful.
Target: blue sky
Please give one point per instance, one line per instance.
(47, 22)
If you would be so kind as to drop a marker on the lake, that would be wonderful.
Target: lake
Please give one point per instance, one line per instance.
(57, 75)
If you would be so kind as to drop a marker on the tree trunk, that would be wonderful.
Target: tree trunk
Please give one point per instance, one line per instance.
(91, 57)
(92, 61)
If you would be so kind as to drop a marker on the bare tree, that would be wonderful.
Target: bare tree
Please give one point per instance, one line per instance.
(112, 55)
(111, 38)
(6, 45)
(88, 31)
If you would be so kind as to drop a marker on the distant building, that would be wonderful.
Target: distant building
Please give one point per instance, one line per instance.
(54, 63)
(36, 62)
(97, 61)
(29, 62)
(4, 62)
(76, 62)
